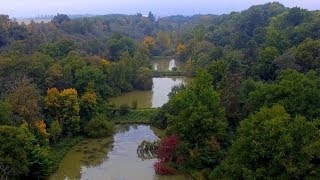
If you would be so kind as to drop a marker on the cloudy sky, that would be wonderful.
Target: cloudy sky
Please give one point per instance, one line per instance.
(27, 8)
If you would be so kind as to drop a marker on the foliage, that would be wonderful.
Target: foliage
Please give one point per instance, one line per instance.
(166, 154)
(99, 127)
(20, 155)
(271, 144)
(124, 109)
(55, 130)
(64, 107)
(144, 79)
(198, 105)
(298, 93)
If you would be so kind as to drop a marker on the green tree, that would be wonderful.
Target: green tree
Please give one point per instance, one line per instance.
(197, 118)
(265, 68)
(99, 127)
(20, 155)
(297, 92)
(144, 79)
(55, 130)
(271, 144)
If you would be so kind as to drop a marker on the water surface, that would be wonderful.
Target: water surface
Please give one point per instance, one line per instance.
(166, 64)
(112, 158)
(151, 99)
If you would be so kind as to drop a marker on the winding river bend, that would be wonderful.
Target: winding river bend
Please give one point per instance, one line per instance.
(112, 158)
(161, 87)
(116, 158)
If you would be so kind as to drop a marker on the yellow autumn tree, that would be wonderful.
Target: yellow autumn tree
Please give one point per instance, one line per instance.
(181, 51)
(88, 104)
(41, 127)
(181, 48)
(64, 106)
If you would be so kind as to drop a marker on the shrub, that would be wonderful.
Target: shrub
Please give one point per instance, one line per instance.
(163, 169)
(124, 109)
(166, 154)
(99, 126)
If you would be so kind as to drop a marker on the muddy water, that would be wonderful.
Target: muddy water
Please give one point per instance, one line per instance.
(112, 158)
(151, 99)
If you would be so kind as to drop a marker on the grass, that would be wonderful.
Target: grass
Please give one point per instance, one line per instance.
(139, 116)
(60, 149)
(169, 73)
(161, 133)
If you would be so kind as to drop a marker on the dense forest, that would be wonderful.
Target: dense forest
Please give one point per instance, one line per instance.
(251, 112)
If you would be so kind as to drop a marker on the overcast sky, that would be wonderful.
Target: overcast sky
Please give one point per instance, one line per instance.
(19, 8)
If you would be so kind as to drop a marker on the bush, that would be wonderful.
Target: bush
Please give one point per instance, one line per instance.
(163, 169)
(166, 153)
(124, 109)
(99, 126)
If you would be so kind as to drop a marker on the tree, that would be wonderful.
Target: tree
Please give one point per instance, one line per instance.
(149, 41)
(54, 76)
(59, 19)
(6, 113)
(265, 68)
(308, 55)
(144, 79)
(271, 144)
(99, 127)
(87, 75)
(163, 40)
(55, 130)
(88, 107)
(151, 17)
(198, 105)
(181, 52)
(20, 154)
(64, 107)
(25, 102)
(298, 93)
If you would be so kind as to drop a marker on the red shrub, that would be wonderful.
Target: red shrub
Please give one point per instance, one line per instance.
(166, 152)
(167, 148)
(162, 169)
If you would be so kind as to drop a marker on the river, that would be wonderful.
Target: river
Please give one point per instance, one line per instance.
(167, 64)
(116, 158)
(112, 158)
(160, 90)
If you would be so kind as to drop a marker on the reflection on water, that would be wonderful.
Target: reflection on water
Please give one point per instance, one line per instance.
(121, 162)
(151, 99)
(87, 153)
(165, 64)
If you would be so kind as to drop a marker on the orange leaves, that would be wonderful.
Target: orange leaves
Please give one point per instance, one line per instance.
(149, 41)
(69, 92)
(41, 126)
(181, 48)
(89, 97)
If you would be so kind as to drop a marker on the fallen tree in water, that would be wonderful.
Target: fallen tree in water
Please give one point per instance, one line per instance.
(148, 149)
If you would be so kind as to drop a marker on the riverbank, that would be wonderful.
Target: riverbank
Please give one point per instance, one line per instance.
(158, 74)
(58, 150)
(135, 116)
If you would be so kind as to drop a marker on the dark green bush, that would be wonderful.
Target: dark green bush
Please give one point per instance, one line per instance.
(99, 126)
(124, 109)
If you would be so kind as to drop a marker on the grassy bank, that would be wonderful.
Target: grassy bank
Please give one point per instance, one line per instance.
(139, 116)
(169, 73)
(60, 149)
